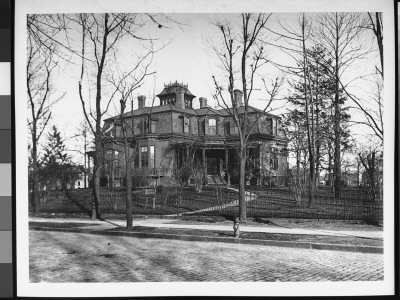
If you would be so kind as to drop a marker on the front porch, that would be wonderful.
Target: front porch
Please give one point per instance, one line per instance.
(221, 165)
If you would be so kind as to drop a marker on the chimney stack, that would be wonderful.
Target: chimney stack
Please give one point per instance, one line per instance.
(141, 101)
(203, 102)
(180, 97)
(238, 98)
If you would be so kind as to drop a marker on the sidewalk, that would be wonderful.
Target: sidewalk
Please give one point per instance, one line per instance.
(264, 234)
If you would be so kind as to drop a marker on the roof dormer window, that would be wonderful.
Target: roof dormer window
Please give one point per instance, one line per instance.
(167, 100)
(188, 102)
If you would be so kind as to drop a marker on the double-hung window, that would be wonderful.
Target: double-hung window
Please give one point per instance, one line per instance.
(147, 156)
(144, 157)
(274, 159)
(234, 129)
(185, 122)
(212, 126)
(151, 157)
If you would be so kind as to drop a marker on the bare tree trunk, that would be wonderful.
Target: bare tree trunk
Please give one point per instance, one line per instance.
(338, 174)
(242, 191)
(85, 160)
(35, 170)
(310, 127)
(317, 140)
(338, 166)
(330, 167)
(128, 199)
(96, 179)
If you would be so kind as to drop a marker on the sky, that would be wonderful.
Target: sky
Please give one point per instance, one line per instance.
(187, 58)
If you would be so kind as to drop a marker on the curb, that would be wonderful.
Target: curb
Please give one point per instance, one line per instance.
(273, 243)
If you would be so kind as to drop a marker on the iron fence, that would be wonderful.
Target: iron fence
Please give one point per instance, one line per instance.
(353, 204)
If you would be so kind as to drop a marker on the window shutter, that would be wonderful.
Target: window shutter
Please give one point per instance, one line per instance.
(191, 125)
(205, 122)
(227, 128)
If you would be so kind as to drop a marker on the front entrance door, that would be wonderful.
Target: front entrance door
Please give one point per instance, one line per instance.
(212, 165)
(215, 158)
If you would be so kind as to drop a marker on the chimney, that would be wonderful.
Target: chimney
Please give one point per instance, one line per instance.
(141, 101)
(203, 102)
(238, 98)
(180, 97)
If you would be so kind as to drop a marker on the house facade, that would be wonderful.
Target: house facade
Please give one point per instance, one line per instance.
(163, 134)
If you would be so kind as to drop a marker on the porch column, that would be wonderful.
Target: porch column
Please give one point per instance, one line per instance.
(205, 165)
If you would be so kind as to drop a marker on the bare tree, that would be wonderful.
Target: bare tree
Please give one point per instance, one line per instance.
(126, 83)
(305, 31)
(298, 44)
(375, 24)
(41, 66)
(101, 34)
(245, 49)
(371, 159)
(372, 108)
(295, 132)
(340, 33)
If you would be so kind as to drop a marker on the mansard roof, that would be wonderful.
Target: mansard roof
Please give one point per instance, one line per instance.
(241, 110)
(154, 110)
(204, 111)
(207, 111)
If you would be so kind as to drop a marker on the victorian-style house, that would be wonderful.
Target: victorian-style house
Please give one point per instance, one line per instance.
(211, 135)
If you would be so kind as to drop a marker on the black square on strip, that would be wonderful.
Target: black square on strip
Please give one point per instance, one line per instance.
(6, 284)
(5, 45)
(5, 14)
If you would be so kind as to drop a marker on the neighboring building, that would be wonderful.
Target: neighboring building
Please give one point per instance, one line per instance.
(211, 131)
(80, 183)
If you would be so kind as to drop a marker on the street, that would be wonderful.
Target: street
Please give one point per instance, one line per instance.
(77, 257)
